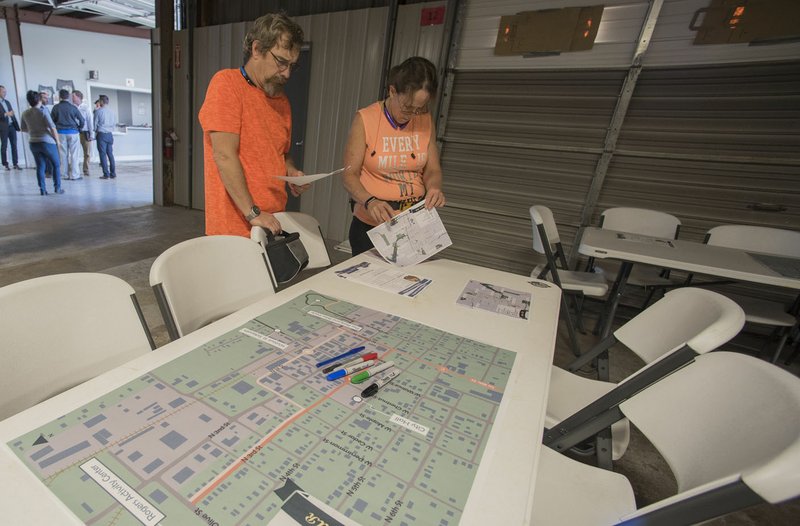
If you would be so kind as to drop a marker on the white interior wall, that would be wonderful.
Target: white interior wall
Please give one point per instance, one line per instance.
(55, 53)
(51, 53)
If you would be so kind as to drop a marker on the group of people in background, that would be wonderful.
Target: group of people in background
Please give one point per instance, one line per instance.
(391, 157)
(58, 134)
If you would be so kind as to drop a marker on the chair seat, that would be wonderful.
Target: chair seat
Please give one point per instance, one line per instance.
(589, 283)
(569, 393)
(570, 493)
(641, 275)
(764, 312)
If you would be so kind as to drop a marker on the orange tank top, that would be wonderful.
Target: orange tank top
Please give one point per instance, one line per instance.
(394, 159)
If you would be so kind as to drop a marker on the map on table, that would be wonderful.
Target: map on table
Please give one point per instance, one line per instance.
(494, 298)
(246, 430)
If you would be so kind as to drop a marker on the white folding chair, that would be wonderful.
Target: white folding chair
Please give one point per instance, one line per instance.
(647, 223)
(546, 241)
(310, 235)
(763, 240)
(59, 331)
(708, 420)
(204, 279)
(697, 319)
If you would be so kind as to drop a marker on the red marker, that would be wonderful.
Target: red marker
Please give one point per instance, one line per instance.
(362, 358)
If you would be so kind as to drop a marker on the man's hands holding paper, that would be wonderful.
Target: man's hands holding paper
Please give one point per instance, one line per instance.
(296, 189)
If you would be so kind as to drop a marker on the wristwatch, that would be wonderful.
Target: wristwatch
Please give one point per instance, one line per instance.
(254, 213)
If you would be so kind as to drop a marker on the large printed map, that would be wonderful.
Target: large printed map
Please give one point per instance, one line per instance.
(217, 435)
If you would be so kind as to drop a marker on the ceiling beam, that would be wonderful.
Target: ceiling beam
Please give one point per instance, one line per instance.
(66, 22)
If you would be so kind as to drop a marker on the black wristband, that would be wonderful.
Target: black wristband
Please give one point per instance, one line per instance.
(366, 203)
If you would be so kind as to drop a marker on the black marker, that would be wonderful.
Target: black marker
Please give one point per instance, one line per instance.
(372, 389)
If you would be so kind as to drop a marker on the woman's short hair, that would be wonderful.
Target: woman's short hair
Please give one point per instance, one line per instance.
(267, 31)
(33, 97)
(414, 74)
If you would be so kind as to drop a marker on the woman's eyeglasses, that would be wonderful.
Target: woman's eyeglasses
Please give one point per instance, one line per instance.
(284, 64)
(411, 110)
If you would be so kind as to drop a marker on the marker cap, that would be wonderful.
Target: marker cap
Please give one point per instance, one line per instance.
(371, 390)
(360, 377)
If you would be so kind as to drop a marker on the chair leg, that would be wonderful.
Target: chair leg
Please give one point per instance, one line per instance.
(579, 314)
(603, 449)
(599, 325)
(648, 299)
(781, 343)
(576, 349)
(794, 354)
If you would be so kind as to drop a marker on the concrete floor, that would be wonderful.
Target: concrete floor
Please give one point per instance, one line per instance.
(111, 227)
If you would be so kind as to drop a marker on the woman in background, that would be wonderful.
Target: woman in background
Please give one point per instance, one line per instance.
(43, 141)
(391, 155)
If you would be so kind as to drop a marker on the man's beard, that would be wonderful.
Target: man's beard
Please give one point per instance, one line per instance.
(274, 86)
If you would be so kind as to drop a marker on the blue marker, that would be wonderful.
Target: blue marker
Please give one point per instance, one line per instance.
(345, 355)
(338, 373)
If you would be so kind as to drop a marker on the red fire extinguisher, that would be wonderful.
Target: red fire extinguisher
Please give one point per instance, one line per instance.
(169, 144)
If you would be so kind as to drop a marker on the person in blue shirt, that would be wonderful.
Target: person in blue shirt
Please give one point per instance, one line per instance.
(43, 140)
(104, 123)
(69, 122)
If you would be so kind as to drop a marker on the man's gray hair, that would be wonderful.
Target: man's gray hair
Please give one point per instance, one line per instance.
(267, 31)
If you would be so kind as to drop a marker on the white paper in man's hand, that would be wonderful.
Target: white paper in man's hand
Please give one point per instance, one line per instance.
(306, 179)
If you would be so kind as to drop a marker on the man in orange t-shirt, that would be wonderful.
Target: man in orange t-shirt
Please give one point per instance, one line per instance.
(247, 129)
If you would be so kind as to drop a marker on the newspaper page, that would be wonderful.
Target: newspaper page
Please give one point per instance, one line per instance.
(410, 237)
(494, 298)
(390, 279)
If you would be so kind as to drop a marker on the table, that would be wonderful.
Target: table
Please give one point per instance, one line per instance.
(503, 487)
(675, 254)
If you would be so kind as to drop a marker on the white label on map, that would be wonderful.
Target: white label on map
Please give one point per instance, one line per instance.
(144, 511)
(408, 424)
(334, 320)
(263, 338)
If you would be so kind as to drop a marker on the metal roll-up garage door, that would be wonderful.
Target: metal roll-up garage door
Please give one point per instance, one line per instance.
(712, 145)
(514, 139)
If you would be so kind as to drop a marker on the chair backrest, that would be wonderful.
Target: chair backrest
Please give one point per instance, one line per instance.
(762, 239)
(204, 279)
(641, 221)
(310, 235)
(699, 318)
(543, 216)
(59, 331)
(725, 416)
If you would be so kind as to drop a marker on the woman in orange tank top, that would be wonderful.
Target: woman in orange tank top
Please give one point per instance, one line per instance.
(391, 155)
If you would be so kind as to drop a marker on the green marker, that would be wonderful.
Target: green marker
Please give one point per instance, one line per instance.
(369, 373)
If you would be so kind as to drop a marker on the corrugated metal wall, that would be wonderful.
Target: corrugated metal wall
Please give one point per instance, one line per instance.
(702, 142)
(515, 138)
(707, 144)
(347, 50)
(346, 55)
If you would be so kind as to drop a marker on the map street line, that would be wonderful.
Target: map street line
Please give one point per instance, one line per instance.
(216, 481)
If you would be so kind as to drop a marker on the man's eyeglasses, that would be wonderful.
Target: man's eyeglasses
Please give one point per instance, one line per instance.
(411, 110)
(283, 64)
